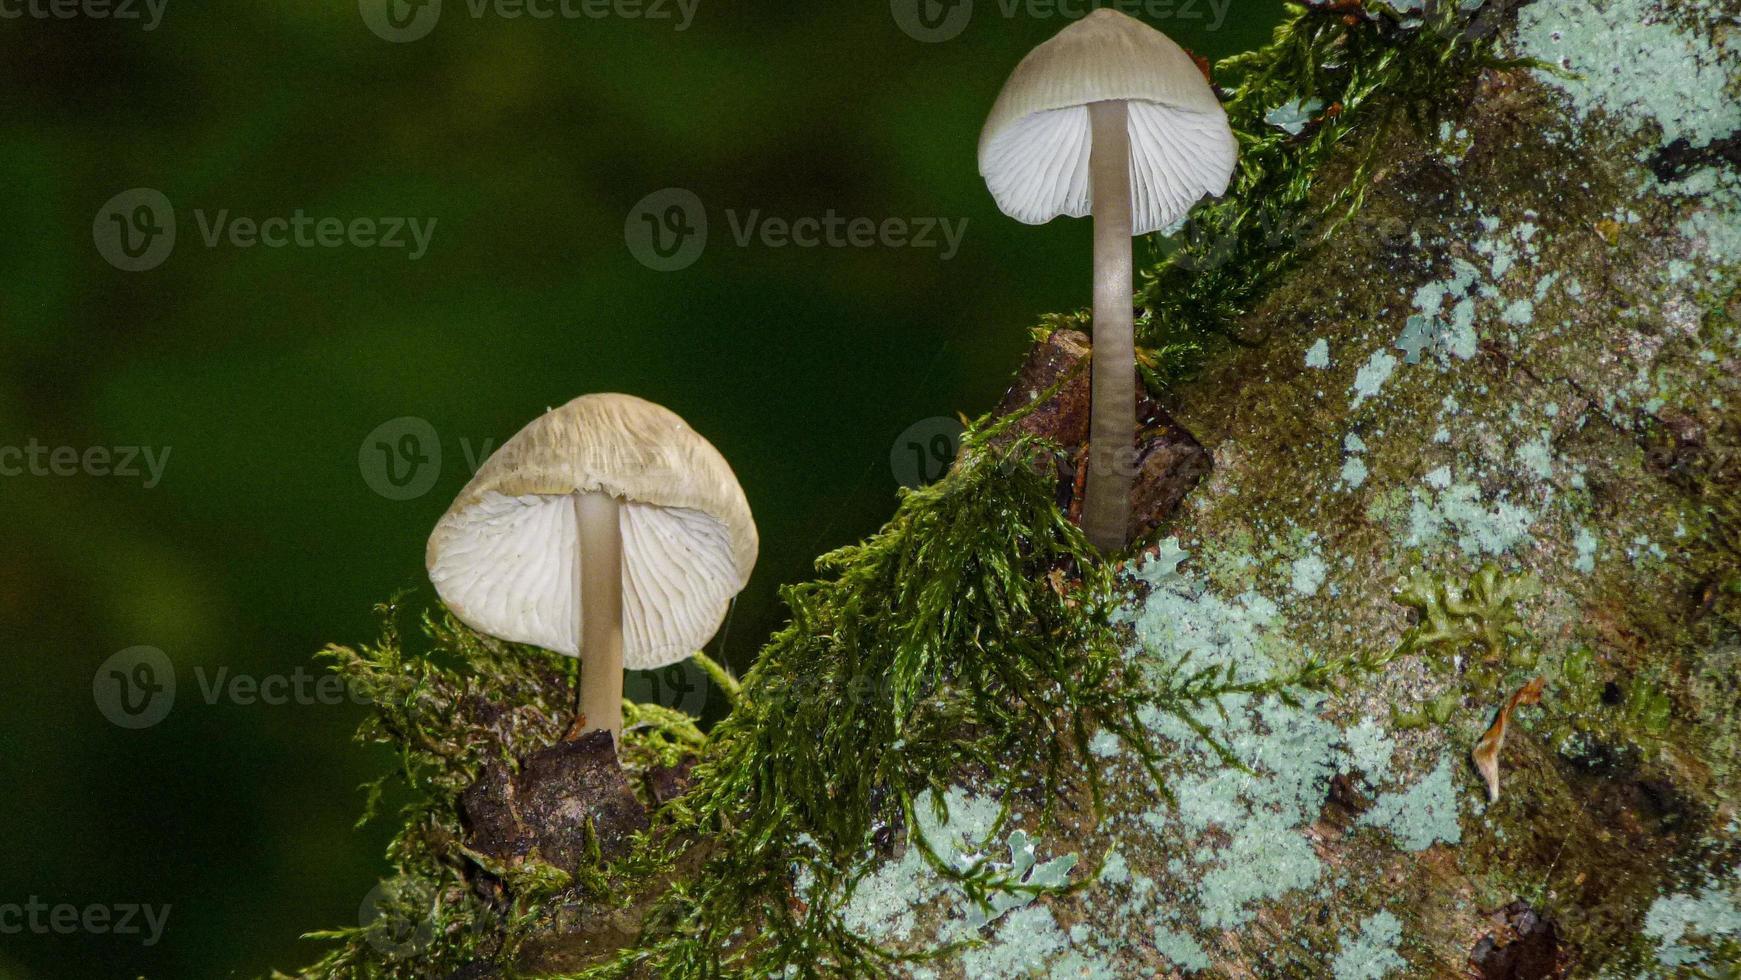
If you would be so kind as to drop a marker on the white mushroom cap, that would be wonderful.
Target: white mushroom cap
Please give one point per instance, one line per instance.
(1033, 152)
(503, 556)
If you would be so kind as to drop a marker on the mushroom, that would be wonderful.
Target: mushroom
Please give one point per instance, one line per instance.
(607, 530)
(1110, 118)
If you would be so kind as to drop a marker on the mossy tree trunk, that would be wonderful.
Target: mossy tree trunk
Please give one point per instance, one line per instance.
(1480, 426)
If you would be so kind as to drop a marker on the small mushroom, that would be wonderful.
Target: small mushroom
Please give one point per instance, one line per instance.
(606, 529)
(1109, 118)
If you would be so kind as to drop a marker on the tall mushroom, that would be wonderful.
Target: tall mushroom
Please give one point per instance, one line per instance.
(606, 529)
(1110, 118)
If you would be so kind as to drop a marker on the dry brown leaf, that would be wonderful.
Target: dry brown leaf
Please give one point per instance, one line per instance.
(1486, 753)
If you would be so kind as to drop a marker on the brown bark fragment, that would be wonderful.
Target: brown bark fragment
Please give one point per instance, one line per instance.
(1169, 461)
(550, 802)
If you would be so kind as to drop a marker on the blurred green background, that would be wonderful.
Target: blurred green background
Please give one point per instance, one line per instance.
(263, 371)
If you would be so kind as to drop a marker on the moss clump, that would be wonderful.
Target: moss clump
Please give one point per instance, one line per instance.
(447, 711)
(971, 633)
(1365, 64)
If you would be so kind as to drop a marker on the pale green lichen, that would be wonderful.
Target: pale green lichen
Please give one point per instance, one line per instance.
(1428, 332)
(1587, 545)
(1181, 949)
(1291, 117)
(1240, 836)
(1354, 472)
(1019, 882)
(1023, 944)
(1458, 513)
(1371, 954)
(1370, 749)
(1115, 870)
(1536, 456)
(1287, 752)
(1371, 377)
(1714, 226)
(1080, 963)
(1423, 814)
(1308, 574)
(957, 828)
(1681, 924)
(1630, 59)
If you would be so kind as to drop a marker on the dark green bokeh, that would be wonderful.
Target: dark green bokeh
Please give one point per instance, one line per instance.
(262, 370)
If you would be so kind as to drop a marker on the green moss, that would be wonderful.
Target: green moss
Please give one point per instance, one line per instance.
(1364, 72)
(446, 711)
(1481, 612)
(941, 644)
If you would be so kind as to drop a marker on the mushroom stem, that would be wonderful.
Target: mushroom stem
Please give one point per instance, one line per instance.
(599, 577)
(1112, 431)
